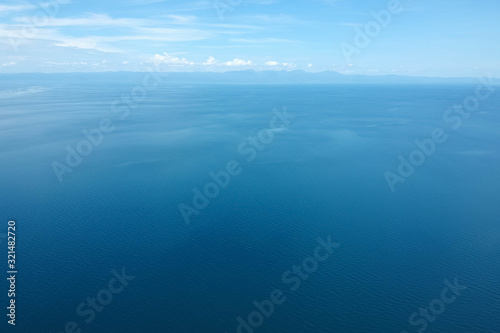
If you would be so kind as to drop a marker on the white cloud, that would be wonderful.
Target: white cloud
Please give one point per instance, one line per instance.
(152, 34)
(88, 43)
(285, 64)
(273, 19)
(262, 2)
(90, 20)
(125, 62)
(137, 30)
(15, 8)
(238, 62)
(169, 35)
(210, 61)
(264, 41)
(309, 66)
(181, 19)
(55, 63)
(142, 2)
(272, 63)
(12, 63)
(170, 60)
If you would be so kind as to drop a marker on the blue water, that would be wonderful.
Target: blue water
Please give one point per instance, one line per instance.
(323, 175)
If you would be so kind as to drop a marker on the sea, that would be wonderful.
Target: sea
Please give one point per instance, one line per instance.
(144, 206)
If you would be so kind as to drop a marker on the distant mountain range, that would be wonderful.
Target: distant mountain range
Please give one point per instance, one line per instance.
(255, 77)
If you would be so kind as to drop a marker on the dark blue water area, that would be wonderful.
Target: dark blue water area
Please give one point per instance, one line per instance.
(322, 175)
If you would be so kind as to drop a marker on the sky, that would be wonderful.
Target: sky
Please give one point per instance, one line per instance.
(445, 38)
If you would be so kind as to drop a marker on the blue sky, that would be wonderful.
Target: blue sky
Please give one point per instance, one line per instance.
(421, 37)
